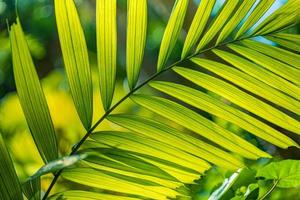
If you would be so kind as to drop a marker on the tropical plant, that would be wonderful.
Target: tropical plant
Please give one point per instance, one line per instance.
(257, 89)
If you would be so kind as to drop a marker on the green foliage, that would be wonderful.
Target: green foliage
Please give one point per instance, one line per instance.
(159, 157)
(287, 172)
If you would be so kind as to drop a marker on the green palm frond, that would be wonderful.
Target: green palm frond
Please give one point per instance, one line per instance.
(248, 85)
(76, 59)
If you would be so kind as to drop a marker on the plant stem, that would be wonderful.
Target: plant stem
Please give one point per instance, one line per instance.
(78, 145)
(275, 182)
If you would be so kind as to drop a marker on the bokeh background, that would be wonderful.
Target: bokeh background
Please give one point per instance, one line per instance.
(38, 21)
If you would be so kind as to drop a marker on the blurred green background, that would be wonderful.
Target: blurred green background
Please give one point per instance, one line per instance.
(38, 21)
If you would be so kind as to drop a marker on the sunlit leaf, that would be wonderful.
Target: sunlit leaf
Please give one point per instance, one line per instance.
(143, 145)
(250, 84)
(289, 15)
(260, 73)
(85, 195)
(218, 23)
(241, 98)
(136, 38)
(101, 180)
(31, 96)
(287, 57)
(275, 66)
(9, 184)
(198, 24)
(173, 137)
(218, 108)
(241, 12)
(172, 32)
(106, 23)
(290, 41)
(254, 17)
(75, 55)
(199, 125)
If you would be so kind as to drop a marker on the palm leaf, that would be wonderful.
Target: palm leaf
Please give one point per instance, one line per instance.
(9, 184)
(198, 24)
(250, 86)
(31, 96)
(172, 32)
(75, 58)
(107, 48)
(254, 17)
(289, 41)
(218, 23)
(136, 39)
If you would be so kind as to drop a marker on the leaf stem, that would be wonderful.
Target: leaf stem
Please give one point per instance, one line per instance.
(275, 183)
(83, 139)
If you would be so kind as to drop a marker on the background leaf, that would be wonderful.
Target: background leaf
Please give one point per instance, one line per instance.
(286, 171)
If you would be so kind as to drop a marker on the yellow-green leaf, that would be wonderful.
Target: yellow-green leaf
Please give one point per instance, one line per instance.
(198, 24)
(106, 23)
(31, 96)
(9, 184)
(172, 32)
(253, 18)
(75, 55)
(281, 69)
(173, 137)
(218, 23)
(250, 84)
(136, 38)
(290, 41)
(260, 73)
(143, 145)
(200, 125)
(85, 195)
(241, 98)
(289, 15)
(102, 180)
(218, 108)
(235, 20)
(272, 51)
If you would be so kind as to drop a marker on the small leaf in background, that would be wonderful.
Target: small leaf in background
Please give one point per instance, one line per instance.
(136, 38)
(106, 23)
(76, 59)
(287, 172)
(31, 96)
(9, 184)
(172, 32)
